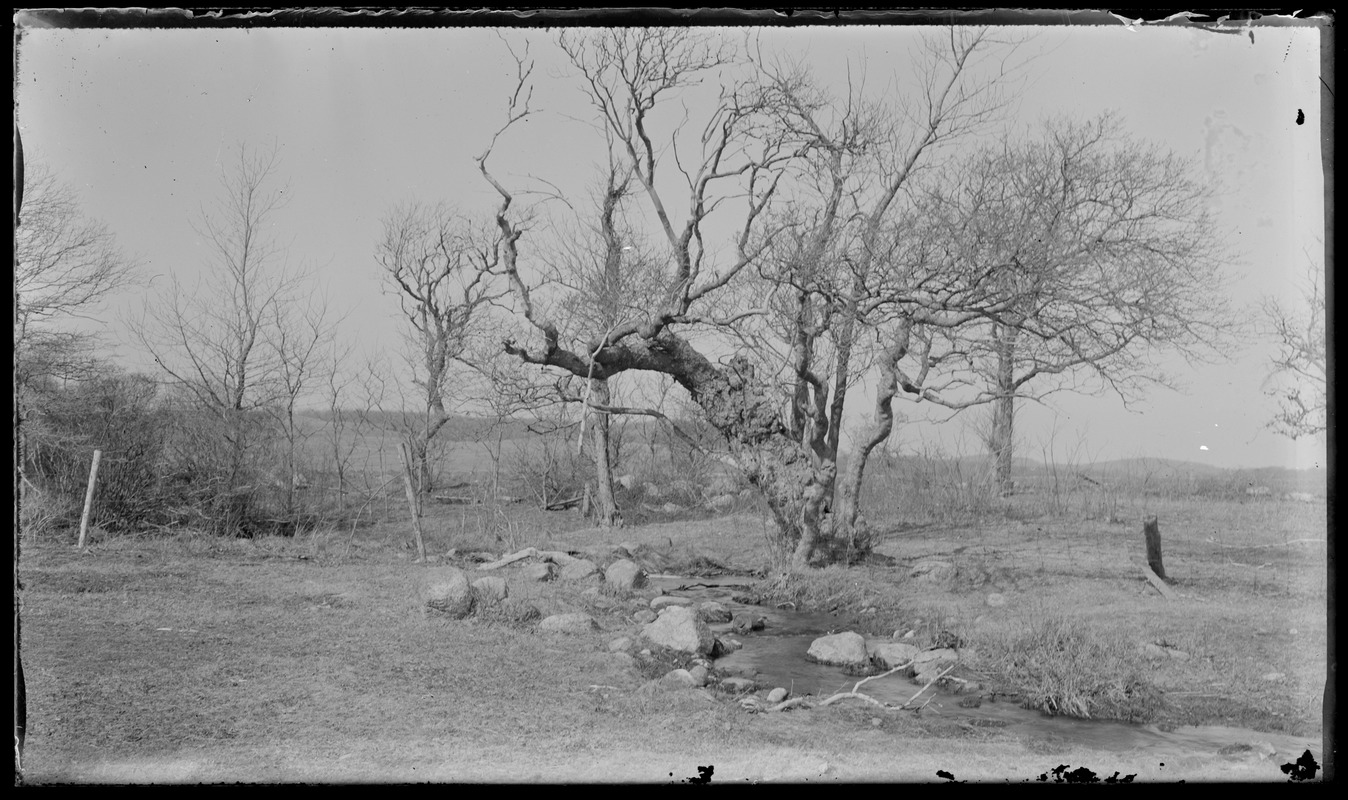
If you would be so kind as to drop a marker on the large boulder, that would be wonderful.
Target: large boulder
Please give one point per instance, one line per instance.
(933, 571)
(625, 575)
(446, 589)
(679, 679)
(891, 654)
(713, 612)
(541, 571)
(929, 663)
(737, 684)
(667, 600)
(572, 623)
(721, 503)
(840, 648)
(491, 589)
(579, 569)
(679, 628)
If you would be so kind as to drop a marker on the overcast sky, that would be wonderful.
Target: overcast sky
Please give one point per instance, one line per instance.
(139, 121)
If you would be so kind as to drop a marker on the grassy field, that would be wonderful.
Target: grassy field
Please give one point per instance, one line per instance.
(197, 659)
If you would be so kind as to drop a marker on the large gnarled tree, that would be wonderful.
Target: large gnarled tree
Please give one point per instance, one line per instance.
(743, 155)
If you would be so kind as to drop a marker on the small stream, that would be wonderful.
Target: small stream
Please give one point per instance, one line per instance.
(777, 655)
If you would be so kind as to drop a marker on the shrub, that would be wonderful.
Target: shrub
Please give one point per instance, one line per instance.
(1063, 667)
(114, 412)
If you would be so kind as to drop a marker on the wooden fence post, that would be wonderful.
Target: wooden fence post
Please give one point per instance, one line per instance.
(412, 500)
(1151, 529)
(89, 499)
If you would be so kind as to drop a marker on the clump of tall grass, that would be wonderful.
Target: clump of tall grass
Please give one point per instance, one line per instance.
(1062, 667)
(834, 588)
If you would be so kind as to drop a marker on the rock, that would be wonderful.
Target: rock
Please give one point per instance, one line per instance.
(713, 612)
(745, 622)
(623, 660)
(721, 503)
(891, 654)
(627, 481)
(777, 695)
(579, 570)
(1151, 650)
(625, 575)
(619, 644)
(737, 685)
(491, 589)
(679, 628)
(671, 508)
(933, 571)
(840, 648)
(667, 600)
(644, 615)
(542, 571)
(446, 589)
(912, 634)
(678, 678)
(724, 645)
(934, 661)
(596, 598)
(996, 600)
(573, 623)
(699, 674)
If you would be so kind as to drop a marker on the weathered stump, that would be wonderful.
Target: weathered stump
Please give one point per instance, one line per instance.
(1152, 531)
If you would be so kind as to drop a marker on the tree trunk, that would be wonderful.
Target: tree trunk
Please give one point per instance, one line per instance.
(1002, 435)
(794, 483)
(606, 507)
(847, 514)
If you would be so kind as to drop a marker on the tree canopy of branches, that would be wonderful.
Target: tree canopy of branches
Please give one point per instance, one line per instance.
(65, 265)
(1104, 246)
(732, 169)
(243, 344)
(1298, 377)
(440, 268)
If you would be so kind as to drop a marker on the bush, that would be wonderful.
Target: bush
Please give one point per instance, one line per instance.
(1063, 667)
(115, 413)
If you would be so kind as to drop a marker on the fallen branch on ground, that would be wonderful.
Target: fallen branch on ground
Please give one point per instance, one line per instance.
(555, 556)
(510, 559)
(939, 676)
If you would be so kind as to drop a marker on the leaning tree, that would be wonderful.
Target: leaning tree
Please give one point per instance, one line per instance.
(743, 156)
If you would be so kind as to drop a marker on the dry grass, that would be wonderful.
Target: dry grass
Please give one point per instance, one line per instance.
(198, 658)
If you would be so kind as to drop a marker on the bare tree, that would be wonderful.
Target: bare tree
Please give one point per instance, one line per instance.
(603, 277)
(1298, 377)
(66, 264)
(441, 270)
(227, 342)
(1103, 247)
(742, 157)
(301, 338)
(842, 264)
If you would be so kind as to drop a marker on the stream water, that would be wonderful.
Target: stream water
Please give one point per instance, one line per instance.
(777, 655)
